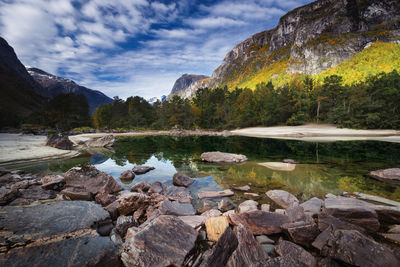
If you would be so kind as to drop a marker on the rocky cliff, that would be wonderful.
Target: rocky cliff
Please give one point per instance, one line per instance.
(19, 95)
(52, 85)
(308, 40)
(187, 85)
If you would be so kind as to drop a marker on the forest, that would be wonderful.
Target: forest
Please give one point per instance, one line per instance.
(373, 104)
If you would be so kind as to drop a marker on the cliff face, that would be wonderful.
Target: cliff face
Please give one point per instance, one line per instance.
(311, 39)
(53, 85)
(186, 85)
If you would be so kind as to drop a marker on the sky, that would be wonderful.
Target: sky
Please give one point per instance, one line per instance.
(133, 47)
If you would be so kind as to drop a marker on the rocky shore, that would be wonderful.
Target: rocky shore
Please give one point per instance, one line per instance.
(85, 218)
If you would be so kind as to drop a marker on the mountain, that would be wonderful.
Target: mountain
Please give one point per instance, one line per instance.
(52, 85)
(153, 100)
(309, 40)
(187, 85)
(19, 95)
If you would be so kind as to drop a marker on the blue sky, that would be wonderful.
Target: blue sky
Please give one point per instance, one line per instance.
(132, 47)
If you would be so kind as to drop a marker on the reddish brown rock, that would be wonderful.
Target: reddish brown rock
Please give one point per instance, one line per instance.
(292, 255)
(312, 206)
(141, 187)
(127, 176)
(180, 179)
(302, 233)
(105, 199)
(141, 169)
(260, 222)
(224, 248)
(113, 210)
(53, 182)
(60, 142)
(325, 220)
(130, 202)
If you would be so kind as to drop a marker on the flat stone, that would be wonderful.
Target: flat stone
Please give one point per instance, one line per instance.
(34, 193)
(220, 157)
(388, 175)
(265, 207)
(163, 241)
(249, 252)
(177, 209)
(76, 194)
(263, 239)
(293, 255)
(180, 179)
(260, 222)
(325, 221)
(141, 169)
(297, 214)
(302, 233)
(244, 188)
(194, 221)
(215, 194)
(353, 211)
(177, 193)
(395, 238)
(53, 182)
(283, 198)
(215, 227)
(312, 206)
(279, 166)
(251, 195)
(225, 205)
(127, 176)
(247, 206)
(212, 213)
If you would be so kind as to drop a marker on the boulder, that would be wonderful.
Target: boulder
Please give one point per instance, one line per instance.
(244, 188)
(260, 222)
(162, 241)
(248, 252)
(90, 180)
(156, 187)
(130, 202)
(127, 176)
(220, 157)
(180, 179)
(226, 245)
(388, 175)
(353, 211)
(215, 227)
(247, 206)
(312, 206)
(53, 182)
(354, 248)
(141, 169)
(105, 141)
(113, 210)
(302, 233)
(215, 194)
(225, 205)
(194, 221)
(58, 233)
(176, 208)
(283, 198)
(211, 213)
(60, 142)
(292, 255)
(141, 187)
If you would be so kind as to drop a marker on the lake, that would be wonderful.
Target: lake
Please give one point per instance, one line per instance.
(323, 167)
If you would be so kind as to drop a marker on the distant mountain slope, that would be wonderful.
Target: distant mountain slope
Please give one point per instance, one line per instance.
(187, 85)
(19, 95)
(309, 40)
(52, 85)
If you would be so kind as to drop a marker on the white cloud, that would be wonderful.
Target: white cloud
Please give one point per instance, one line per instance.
(214, 22)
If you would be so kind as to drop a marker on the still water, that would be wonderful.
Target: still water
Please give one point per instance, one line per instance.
(323, 167)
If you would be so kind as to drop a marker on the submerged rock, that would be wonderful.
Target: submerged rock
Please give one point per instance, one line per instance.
(220, 157)
(127, 176)
(260, 222)
(279, 166)
(141, 169)
(163, 241)
(244, 188)
(180, 179)
(215, 194)
(388, 175)
(177, 209)
(283, 198)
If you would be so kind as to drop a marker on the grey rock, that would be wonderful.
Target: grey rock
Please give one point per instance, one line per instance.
(270, 249)
(312, 206)
(177, 209)
(247, 206)
(215, 194)
(105, 141)
(194, 221)
(211, 213)
(180, 179)
(283, 198)
(141, 169)
(387, 175)
(394, 229)
(225, 205)
(220, 157)
(263, 239)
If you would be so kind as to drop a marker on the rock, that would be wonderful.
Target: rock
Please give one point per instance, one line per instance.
(177, 193)
(312, 206)
(283, 198)
(32, 194)
(163, 241)
(141, 187)
(279, 166)
(194, 221)
(226, 245)
(215, 227)
(105, 141)
(290, 161)
(387, 214)
(280, 211)
(225, 205)
(206, 205)
(127, 176)
(123, 223)
(325, 221)
(260, 222)
(215, 194)
(105, 199)
(130, 202)
(60, 142)
(251, 196)
(7, 195)
(180, 179)
(91, 180)
(3, 171)
(74, 194)
(220, 157)
(156, 187)
(265, 207)
(293, 255)
(242, 188)
(270, 249)
(53, 182)
(177, 209)
(113, 210)
(395, 238)
(354, 248)
(302, 233)
(141, 169)
(211, 213)
(263, 239)
(248, 252)
(247, 206)
(228, 213)
(353, 211)
(329, 195)
(116, 239)
(297, 214)
(388, 175)
(395, 229)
